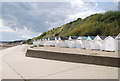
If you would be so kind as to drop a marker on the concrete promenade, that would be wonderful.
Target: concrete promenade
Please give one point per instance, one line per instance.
(16, 66)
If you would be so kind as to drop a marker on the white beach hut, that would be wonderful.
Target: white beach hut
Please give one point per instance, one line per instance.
(110, 43)
(98, 43)
(88, 42)
(38, 42)
(71, 41)
(55, 41)
(117, 44)
(35, 43)
(64, 42)
(52, 41)
(45, 42)
(41, 42)
(80, 42)
(58, 42)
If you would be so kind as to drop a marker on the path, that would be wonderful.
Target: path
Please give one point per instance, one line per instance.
(15, 66)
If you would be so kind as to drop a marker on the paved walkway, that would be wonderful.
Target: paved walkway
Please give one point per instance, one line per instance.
(78, 51)
(15, 66)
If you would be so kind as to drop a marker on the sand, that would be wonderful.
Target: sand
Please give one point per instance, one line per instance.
(78, 51)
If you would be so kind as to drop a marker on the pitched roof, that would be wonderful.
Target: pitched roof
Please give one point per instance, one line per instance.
(52, 38)
(102, 37)
(99, 37)
(110, 37)
(82, 37)
(64, 38)
(113, 37)
(92, 37)
(73, 37)
(118, 36)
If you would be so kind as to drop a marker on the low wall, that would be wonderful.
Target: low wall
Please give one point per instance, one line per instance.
(78, 58)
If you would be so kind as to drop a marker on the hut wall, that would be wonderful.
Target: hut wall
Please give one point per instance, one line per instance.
(110, 44)
(87, 44)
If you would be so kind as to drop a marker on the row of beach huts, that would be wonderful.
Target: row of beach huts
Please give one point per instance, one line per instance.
(103, 43)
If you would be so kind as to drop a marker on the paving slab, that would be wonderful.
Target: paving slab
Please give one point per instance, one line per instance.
(15, 63)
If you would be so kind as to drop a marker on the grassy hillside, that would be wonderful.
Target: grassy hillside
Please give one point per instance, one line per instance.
(98, 24)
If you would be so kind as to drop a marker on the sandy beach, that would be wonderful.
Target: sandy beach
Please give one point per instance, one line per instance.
(16, 66)
(7, 45)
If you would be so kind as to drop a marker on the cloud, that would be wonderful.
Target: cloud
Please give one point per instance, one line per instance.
(34, 16)
(38, 17)
(26, 37)
(7, 33)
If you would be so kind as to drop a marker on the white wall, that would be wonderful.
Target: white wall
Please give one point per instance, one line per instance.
(110, 44)
(117, 47)
(64, 43)
(71, 44)
(98, 45)
(87, 44)
(77, 43)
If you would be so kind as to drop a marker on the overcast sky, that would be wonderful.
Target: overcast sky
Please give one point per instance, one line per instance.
(23, 20)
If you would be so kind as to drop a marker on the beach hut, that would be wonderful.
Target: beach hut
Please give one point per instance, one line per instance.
(58, 42)
(40, 42)
(71, 41)
(117, 44)
(61, 42)
(90, 38)
(80, 42)
(64, 42)
(46, 42)
(88, 42)
(52, 41)
(110, 43)
(98, 43)
(35, 42)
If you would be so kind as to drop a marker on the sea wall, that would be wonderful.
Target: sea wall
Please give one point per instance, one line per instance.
(77, 58)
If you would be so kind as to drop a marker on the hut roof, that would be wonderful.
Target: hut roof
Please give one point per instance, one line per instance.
(64, 38)
(113, 37)
(74, 37)
(118, 36)
(102, 37)
(110, 37)
(52, 38)
(82, 37)
(99, 37)
(91, 37)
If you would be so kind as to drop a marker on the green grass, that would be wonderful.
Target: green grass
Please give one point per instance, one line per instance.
(97, 24)
(94, 54)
